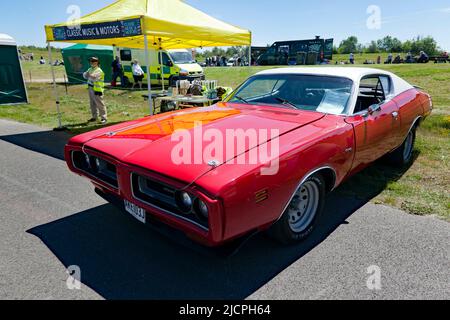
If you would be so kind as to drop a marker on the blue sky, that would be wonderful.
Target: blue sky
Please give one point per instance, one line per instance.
(269, 20)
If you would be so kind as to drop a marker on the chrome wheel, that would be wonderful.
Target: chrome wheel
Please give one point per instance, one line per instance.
(303, 207)
(409, 146)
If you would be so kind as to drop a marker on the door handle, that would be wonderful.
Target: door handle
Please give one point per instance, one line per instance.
(395, 114)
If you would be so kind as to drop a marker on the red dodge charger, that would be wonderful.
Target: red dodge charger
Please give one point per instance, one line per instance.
(264, 159)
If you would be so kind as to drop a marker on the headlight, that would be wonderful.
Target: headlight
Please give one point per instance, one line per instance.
(202, 209)
(184, 201)
(94, 164)
(184, 72)
(87, 160)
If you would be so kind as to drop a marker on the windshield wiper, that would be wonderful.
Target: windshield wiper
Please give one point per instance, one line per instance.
(241, 99)
(286, 102)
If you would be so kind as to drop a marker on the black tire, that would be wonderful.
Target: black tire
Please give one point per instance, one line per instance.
(283, 231)
(403, 156)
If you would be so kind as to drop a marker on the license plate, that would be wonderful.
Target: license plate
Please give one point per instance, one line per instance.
(135, 211)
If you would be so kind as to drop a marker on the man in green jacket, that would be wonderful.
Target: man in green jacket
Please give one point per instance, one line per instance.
(96, 86)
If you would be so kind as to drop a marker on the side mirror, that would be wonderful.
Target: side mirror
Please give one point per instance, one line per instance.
(372, 109)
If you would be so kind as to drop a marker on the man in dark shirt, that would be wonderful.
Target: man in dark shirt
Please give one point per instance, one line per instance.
(117, 71)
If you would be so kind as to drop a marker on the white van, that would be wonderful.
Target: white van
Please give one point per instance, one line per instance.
(178, 65)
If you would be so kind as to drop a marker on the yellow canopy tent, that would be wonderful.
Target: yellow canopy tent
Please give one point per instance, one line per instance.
(140, 24)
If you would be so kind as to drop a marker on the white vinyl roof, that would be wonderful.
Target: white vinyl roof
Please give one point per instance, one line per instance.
(353, 73)
(6, 40)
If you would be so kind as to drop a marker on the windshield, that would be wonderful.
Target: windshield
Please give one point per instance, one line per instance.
(182, 57)
(303, 92)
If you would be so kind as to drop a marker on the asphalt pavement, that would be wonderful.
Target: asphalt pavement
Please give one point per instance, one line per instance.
(51, 219)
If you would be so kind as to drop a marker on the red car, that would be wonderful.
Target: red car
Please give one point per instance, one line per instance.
(288, 137)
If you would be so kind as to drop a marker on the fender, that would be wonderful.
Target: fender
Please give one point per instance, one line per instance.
(416, 123)
(305, 178)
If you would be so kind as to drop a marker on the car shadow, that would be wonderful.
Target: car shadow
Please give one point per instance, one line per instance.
(80, 128)
(50, 143)
(121, 259)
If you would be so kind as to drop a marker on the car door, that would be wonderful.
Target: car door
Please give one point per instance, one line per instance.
(375, 120)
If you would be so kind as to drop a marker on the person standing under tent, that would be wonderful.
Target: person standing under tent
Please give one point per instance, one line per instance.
(96, 84)
(138, 74)
(117, 71)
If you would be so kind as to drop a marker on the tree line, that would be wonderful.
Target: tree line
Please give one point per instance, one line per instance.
(389, 44)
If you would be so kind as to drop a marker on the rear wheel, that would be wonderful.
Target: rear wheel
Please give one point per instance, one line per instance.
(299, 219)
(404, 154)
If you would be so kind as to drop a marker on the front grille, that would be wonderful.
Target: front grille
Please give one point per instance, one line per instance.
(163, 196)
(96, 167)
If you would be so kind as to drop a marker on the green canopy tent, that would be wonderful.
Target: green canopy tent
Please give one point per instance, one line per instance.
(12, 85)
(76, 61)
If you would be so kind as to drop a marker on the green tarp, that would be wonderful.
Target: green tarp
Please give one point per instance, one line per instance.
(76, 61)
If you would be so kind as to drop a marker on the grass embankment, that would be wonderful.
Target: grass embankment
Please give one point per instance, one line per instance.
(422, 189)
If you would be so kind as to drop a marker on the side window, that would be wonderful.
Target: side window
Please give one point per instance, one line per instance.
(283, 49)
(371, 91)
(387, 84)
(125, 55)
(165, 58)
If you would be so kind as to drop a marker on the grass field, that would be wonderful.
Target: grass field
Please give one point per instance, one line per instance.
(33, 71)
(421, 189)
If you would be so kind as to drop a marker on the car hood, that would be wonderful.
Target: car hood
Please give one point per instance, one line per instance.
(150, 144)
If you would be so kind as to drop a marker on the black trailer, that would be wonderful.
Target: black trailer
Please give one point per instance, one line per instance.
(298, 52)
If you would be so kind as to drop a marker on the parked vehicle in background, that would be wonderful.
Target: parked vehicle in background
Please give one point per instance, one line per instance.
(299, 52)
(232, 62)
(177, 65)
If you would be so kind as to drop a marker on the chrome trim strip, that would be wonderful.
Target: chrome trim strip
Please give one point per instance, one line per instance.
(302, 182)
(96, 178)
(161, 209)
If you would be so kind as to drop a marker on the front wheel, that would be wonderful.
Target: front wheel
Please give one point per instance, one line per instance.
(301, 216)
